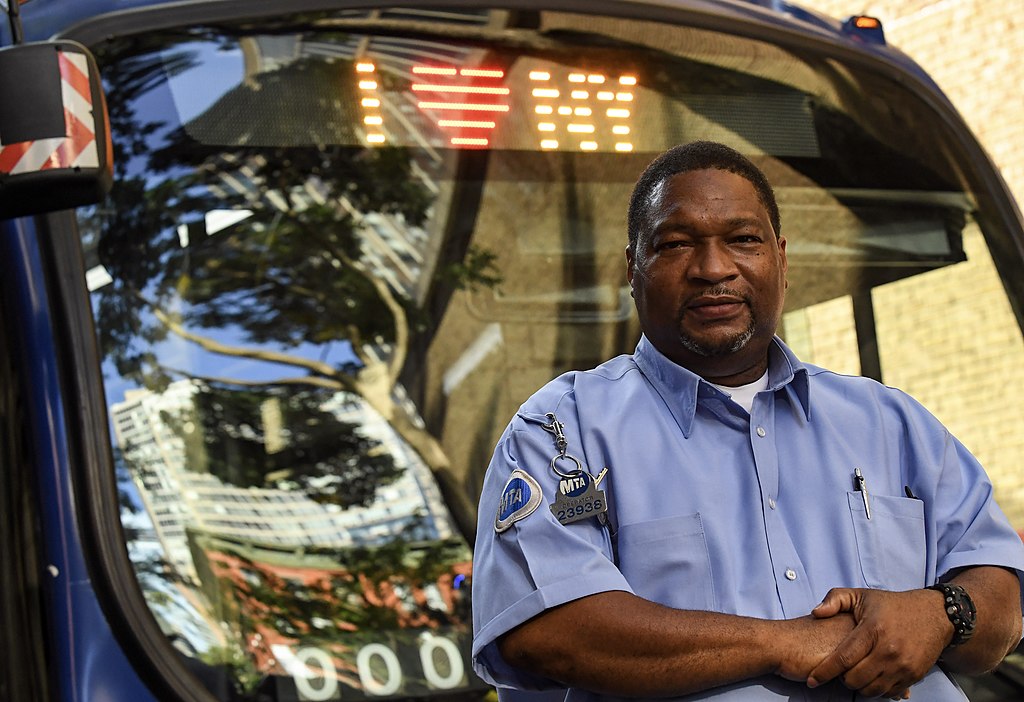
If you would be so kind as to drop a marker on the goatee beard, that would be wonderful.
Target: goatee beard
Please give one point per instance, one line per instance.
(725, 346)
(721, 348)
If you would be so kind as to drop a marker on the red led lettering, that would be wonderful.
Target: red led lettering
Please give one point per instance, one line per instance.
(463, 102)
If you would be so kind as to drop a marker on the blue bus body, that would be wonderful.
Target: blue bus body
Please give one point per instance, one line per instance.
(68, 630)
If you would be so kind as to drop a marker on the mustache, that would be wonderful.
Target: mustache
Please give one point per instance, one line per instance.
(719, 290)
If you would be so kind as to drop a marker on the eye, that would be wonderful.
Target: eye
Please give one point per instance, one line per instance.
(747, 239)
(670, 244)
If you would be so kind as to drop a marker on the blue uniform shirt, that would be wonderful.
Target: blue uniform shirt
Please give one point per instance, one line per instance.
(714, 509)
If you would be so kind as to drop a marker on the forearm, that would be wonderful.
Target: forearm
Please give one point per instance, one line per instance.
(617, 643)
(996, 595)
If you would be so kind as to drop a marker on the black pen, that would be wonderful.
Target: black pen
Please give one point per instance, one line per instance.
(862, 488)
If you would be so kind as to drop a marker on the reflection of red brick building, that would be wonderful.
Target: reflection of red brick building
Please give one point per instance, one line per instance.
(278, 602)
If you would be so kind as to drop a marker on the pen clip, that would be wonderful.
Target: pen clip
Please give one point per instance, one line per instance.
(861, 486)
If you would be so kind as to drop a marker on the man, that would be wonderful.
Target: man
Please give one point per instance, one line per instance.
(710, 518)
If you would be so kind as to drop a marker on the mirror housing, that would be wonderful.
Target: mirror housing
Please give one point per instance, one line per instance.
(55, 148)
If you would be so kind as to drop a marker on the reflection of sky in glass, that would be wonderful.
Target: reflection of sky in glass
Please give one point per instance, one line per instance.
(180, 97)
(183, 355)
(217, 71)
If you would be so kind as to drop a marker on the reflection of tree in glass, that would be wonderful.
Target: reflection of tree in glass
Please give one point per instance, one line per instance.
(225, 435)
(229, 672)
(290, 277)
(334, 600)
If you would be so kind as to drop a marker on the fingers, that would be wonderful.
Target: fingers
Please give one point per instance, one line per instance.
(887, 652)
(850, 652)
(870, 669)
(890, 684)
(838, 599)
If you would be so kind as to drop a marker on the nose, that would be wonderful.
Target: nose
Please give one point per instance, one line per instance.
(712, 262)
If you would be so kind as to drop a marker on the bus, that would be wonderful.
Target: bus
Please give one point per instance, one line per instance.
(261, 338)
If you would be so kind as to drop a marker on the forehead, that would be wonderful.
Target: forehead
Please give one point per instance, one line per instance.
(705, 191)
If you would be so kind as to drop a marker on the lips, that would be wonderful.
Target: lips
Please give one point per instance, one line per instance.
(712, 307)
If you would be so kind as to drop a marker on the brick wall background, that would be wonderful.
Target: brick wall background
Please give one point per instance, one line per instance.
(948, 337)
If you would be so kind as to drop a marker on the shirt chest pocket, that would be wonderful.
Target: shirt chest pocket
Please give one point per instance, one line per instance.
(891, 545)
(666, 561)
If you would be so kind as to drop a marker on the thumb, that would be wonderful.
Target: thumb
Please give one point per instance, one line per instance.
(838, 599)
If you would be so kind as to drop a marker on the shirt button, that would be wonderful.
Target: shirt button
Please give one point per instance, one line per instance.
(771, 502)
(790, 574)
(761, 432)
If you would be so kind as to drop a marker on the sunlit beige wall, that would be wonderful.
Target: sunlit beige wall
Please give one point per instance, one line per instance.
(949, 337)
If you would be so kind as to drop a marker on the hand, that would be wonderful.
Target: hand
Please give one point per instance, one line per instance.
(805, 642)
(898, 638)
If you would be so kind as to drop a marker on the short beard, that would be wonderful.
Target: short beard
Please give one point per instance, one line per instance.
(727, 346)
(722, 348)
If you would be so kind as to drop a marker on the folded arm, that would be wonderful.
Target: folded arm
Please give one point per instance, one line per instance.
(900, 635)
(617, 643)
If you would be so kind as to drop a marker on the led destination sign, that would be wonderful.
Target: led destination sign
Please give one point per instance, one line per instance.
(565, 109)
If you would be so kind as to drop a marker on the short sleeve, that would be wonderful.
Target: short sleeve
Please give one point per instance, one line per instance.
(534, 562)
(972, 529)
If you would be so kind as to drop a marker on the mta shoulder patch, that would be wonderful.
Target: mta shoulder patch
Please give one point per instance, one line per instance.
(519, 499)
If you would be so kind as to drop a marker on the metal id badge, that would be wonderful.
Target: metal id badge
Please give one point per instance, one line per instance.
(578, 497)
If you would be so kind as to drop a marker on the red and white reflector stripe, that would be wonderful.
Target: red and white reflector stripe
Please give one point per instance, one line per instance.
(77, 148)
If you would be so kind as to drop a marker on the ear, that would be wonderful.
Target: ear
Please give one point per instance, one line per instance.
(785, 261)
(629, 264)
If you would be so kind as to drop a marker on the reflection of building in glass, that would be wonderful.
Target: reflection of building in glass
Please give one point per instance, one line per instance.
(180, 611)
(413, 502)
(178, 498)
(154, 457)
(276, 70)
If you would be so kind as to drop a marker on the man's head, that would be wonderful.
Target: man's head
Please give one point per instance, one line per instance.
(706, 262)
(695, 156)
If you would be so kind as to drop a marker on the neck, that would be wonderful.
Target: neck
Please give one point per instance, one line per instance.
(733, 378)
(733, 369)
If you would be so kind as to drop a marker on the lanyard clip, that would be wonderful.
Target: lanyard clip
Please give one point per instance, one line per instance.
(556, 428)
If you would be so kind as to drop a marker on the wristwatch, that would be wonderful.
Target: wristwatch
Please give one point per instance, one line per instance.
(960, 610)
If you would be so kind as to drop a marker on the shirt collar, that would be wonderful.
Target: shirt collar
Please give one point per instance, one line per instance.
(680, 388)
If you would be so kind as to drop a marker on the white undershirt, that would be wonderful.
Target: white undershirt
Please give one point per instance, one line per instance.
(743, 395)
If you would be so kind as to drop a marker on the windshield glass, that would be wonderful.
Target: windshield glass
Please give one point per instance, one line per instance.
(341, 250)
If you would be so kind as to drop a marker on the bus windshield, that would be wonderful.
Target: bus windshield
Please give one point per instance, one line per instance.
(341, 250)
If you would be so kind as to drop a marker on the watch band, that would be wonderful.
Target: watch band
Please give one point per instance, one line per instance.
(960, 610)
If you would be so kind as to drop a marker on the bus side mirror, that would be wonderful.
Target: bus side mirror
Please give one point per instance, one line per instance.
(55, 148)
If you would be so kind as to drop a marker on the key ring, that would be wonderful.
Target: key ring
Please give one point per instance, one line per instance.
(573, 474)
